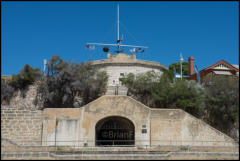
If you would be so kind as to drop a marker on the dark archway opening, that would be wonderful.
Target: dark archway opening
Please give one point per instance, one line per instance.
(115, 131)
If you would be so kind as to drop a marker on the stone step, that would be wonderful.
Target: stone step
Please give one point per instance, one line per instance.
(111, 156)
(166, 156)
(156, 156)
(110, 152)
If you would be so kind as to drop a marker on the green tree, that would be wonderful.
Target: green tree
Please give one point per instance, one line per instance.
(216, 101)
(7, 92)
(140, 85)
(27, 76)
(185, 68)
(158, 91)
(170, 74)
(66, 81)
(222, 102)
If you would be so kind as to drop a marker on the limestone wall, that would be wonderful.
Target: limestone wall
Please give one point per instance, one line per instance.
(177, 127)
(163, 126)
(61, 125)
(125, 64)
(194, 129)
(88, 116)
(166, 126)
(19, 124)
(77, 126)
(114, 72)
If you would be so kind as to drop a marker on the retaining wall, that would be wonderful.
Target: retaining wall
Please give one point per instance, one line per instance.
(18, 124)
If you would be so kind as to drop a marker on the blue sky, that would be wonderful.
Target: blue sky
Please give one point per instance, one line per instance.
(33, 31)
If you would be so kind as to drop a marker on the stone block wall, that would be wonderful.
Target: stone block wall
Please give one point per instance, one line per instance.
(24, 127)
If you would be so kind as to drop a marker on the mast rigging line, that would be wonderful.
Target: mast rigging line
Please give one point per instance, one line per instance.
(109, 31)
(117, 45)
(129, 33)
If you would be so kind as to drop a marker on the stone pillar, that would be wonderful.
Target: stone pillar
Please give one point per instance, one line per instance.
(190, 64)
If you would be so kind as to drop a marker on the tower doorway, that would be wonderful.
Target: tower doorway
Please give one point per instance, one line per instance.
(114, 131)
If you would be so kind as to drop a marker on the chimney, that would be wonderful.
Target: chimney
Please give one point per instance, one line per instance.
(190, 65)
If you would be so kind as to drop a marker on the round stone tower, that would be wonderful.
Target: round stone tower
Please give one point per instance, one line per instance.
(122, 64)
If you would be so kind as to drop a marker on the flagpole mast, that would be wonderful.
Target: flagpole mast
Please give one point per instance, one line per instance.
(118, 22)
(118, 27)
(118, 44)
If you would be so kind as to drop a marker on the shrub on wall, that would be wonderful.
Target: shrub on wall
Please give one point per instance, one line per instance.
(159, 92)
(7, 92)
(216, 101)
(26, 77)
(66, 81)
(222, 101)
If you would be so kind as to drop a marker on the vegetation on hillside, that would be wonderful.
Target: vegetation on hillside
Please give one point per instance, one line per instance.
(66, 82)
(216, 100)
(7, 92)
(185, 68)
(159, 92)
(64, 85)
(222, 102)
(27, 76)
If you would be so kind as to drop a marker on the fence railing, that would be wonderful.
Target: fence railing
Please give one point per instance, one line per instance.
(117, 143)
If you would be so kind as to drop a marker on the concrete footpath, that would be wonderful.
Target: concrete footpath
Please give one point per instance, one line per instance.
(110, 155)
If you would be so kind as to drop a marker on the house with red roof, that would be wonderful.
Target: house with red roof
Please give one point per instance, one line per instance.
(220, 68)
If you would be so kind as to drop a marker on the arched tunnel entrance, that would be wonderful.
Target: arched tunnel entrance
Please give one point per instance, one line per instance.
(114, 131)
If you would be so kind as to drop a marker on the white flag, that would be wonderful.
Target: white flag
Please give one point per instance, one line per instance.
(92, 48)
(133, 50)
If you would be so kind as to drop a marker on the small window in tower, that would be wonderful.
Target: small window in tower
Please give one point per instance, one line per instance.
(121, 74)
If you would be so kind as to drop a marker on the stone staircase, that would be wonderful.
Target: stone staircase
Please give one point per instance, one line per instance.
(111, 155)
(119, 155)
(12, 151)
(116, 90)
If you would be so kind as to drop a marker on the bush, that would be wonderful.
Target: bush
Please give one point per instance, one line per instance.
(159, 92)
(6, 92)
(222, 101)
(27, 76)
(66, 81)
(216, 101)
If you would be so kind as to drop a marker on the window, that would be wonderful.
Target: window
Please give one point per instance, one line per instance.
(121, 74)
(144, 131)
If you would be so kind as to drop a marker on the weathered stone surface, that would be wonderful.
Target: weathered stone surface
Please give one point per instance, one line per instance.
(163, 126)
(18, 125)
(27, 102)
